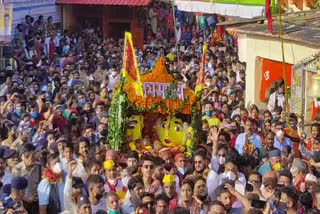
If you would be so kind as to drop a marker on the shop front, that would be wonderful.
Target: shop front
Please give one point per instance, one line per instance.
(113, 17)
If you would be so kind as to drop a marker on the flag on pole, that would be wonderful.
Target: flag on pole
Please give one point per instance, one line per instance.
(200, 79)
(130, 68)
(269, 15)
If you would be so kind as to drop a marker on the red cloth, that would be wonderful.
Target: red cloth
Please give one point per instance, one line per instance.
(298, 185)
(310, 144)
(59, 122)
(52, 49)
(170, 22)
(232, 143)
(173, 203)
(269, 15)
(315, 109)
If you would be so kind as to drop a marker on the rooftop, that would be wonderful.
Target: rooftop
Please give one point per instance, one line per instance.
(301, 27)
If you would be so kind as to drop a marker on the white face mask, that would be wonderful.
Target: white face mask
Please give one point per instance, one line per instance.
(222, 160)
(57, 168)
(125, 181)
(294, 171)
(280, 134)
(230, 176)
(181, 170)
(114, 73)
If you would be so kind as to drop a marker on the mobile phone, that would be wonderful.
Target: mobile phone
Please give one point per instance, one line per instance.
(258, 204)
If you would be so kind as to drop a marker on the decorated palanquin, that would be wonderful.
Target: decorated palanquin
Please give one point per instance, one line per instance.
(162, 117)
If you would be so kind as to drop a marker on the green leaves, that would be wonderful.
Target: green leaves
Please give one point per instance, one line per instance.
(118, 115)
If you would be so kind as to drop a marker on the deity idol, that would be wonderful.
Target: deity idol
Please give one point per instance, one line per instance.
(172, 133)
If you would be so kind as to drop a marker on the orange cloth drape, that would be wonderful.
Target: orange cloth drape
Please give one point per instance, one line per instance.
(272, 71)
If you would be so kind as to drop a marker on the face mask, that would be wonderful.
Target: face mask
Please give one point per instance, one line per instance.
(244, 118)
(35, 115)
(19, 112)
(57, 168)
(181, 170)
(99, 196)
(230, 176)
(110, 211)
(104, 132)
(280, 134)
(276, 167)
(229, 91)
(82, 102)
(222, 160)
(125, 181)
(294, 171)
(209, 113)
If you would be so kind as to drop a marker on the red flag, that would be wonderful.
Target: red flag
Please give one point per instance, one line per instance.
(269, 15)
(130, 68)
(200, 79)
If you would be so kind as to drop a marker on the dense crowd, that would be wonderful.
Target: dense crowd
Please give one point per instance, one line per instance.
(55, 158)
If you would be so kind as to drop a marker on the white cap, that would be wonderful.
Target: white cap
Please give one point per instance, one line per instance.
(311, 177)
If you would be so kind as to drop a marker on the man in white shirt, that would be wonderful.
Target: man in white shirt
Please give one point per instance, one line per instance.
(277, 98)
(72, 189)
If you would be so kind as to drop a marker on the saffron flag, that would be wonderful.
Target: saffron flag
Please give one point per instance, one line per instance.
(130, 68)
(269, 15)
(200, 79)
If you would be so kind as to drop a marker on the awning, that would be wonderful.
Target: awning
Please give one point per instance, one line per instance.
(244, 11)
(106, 2)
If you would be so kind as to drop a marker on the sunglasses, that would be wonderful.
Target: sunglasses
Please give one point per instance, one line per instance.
(148, 166)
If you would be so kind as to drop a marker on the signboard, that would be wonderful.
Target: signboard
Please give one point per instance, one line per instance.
(5, 22)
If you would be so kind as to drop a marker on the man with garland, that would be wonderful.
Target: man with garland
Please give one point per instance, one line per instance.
(50, 189)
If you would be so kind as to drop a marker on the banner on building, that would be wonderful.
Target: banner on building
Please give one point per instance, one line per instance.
(5, 23)
(272, 71)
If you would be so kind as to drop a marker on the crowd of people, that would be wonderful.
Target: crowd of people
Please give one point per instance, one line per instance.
(55, 158)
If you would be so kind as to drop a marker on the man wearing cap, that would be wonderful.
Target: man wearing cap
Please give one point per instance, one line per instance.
(32, 172)
(13, 203)
(299, 170)
(274, 163)
(113, 183)
(61, 142)
(169, 190)
(11, 158)
(84, 206)
(165, 154)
